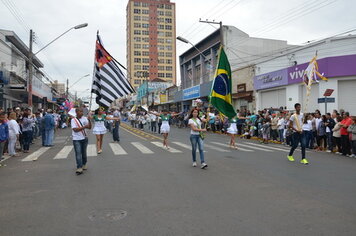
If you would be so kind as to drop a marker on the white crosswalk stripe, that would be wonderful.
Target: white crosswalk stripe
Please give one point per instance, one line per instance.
(63, 154)
(269, 147)
(172, 150)
(186, 146)
(216, 148)
(141, 147)
(117, 149)
(34, 156)
(91, 150)
(239, 148)
(253, 147)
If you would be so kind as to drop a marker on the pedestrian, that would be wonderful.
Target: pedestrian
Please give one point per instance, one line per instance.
(50, 125)
(336, 134)
(307, 129)
(274, 127)
(14, 132)
(159, 123)
(232, 131)
(196, 137)
(165, 127)
(115, 132)
(280, 127)
(99, 127)
(352, 130)
(4, 133)
(296, 121)
(330, 124)
(321, 131)
(27, 122)
(80, 139)
(153, 122)
(266, 130)
(345, 141)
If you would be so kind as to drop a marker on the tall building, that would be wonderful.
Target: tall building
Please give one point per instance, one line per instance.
(151, 41)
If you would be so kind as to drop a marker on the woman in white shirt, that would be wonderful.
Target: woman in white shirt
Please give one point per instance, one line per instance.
(196, 137)
(308, 129)
(14, 131)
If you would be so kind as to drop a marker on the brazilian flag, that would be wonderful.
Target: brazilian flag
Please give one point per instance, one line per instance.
(220, 96)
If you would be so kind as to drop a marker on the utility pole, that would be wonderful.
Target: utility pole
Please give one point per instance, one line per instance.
(221, 29)
(30, 71)
(67, 93)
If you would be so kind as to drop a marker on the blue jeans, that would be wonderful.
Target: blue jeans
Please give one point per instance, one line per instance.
(80, 148)
(49, 137)
(296, 139)
(196, 140)
(43, 134)
(27, 136)
(281, 132)
(115, 132)
(308, 138)
(329, 136)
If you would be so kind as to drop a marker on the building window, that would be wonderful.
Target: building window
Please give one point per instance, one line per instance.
(137, 18)
(160, 27)
(160, 40)
(137, 39)
(169, 47)
(145, 25)
(145, 46)
(137, 4)
(160, 13)
(168, 34)
(146, 40)
(161, 54)
(168, 40)
(160, 47)
(168, 6)
(159, 19)
(168, 27)
(145, 12)
(137, 60)
(168, 13)
(161, 75)
(144, 4)
(169, 68)
(145, 60)
(137, 32)
(160, 68)
(168, 61)
(145, 53)
(160, 6)
(137, 11)
(137, 67)
(137, 53)
(168, 54)
(160, 61)
(137, 46)
(145, 67)
(168, 20)
(169, 75)
(137, 81)
(145, 18)
(145, 32)
(137, 25)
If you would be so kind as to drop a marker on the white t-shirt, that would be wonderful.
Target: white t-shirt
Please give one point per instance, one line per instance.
(79, 135)
(194, 122)
(300, 118)
(308, 126)
(280, 123)
(317, 122)
(14, 127)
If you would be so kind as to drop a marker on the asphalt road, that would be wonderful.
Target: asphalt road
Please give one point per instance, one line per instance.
(138, 188)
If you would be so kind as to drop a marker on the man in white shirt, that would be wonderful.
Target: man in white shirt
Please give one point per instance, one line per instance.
(80, 139)
(153, 122)
(115, 133)
(296, 122)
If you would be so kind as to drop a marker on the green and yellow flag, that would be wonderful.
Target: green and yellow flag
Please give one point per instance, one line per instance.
(220, 96)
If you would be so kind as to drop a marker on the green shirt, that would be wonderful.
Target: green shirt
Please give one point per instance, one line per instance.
(96, 118)
(165, 118)
(233, 120)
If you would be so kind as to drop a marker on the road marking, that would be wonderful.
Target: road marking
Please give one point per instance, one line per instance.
(34, 156)
(91, 150)
(183, 145)
(239, 148)
(117, 149)
(257, 148)
(133, 133)
(142, 148)
(265, 146)
(63, 154)
(172, 150)
(215, 148)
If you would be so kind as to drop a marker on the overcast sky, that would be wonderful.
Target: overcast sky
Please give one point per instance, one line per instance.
(296, 21)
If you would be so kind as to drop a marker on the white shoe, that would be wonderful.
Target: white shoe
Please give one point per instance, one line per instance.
(353, 155)
(203, 165)
(328, 150)
(338, 153)
(194, 164)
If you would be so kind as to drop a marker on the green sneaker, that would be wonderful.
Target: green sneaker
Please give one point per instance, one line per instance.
(290, 158)
(304, 161)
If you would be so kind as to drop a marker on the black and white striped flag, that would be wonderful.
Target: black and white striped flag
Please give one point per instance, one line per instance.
(109, 83)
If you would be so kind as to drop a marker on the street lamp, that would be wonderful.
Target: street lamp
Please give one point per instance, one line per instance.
(77, 80)
(187, 41)
(31, 54)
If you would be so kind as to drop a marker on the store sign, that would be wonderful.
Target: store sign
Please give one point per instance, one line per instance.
(191, 93)
(272, 79)
(241, 88)
(163, 98)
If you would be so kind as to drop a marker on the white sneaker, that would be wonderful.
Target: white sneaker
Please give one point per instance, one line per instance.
(194, 164)
(353, 155)
(328, 150)
(203, 165)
